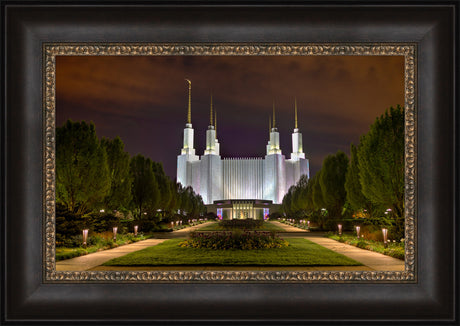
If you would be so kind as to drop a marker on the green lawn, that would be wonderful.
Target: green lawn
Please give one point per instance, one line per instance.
(300, 252)
(267, 226)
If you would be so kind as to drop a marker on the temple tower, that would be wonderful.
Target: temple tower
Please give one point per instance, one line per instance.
(187, 159)
(274, 168)
(211, 166)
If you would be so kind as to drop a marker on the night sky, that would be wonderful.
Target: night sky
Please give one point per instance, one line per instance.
(144, 100)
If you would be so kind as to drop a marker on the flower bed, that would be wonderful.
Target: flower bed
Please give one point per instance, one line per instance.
(226, 240)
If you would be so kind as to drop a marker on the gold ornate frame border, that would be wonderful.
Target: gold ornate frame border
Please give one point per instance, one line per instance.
(51, 50)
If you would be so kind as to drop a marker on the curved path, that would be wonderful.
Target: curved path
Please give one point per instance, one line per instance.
(92, 260)
(372, 259)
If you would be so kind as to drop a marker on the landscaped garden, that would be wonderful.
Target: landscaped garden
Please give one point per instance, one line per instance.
(299, 252)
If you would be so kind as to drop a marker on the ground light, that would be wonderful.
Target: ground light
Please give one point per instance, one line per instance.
(136, 227)
(358, 228)
(385, 236)
(115, 229)
(308, 224)
(339, 226)
(85, 237)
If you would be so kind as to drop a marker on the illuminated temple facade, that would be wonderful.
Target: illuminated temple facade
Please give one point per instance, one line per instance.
(240, 187)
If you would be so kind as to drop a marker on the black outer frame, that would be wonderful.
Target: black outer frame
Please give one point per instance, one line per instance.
(26, 299)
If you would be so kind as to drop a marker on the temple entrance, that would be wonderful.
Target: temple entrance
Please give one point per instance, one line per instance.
(242, 209)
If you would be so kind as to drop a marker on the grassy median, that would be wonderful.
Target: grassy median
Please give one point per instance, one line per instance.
(300, 252)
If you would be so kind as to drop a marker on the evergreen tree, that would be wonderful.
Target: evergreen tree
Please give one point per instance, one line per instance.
(119, 195)
(332, 181)
(352, 184)
(317, 194)
(163, 182)
(145, 192)
(381, 161)
(82, 174)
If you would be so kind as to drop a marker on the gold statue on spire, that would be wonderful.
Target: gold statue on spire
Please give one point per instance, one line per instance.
(189, 114)
(295, 106)
(274, 123)
(210, 116)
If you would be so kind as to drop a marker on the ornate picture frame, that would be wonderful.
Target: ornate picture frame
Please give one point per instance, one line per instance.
(242, 49)
(33, 292)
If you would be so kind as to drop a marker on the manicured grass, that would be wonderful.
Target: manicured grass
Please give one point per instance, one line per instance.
(393, 249)
(267, 226)
(300, 252)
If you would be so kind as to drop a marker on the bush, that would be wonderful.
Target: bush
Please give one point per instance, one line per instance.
(274, 216)
(224, 240)
(98, 222)
(241, 224)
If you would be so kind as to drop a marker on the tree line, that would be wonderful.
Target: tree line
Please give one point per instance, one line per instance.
(97, 175)
(369, 184)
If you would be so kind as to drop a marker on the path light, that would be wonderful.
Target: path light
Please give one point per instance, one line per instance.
(115, 229)
(339, 226)
(85, 237)
(385, 235)
(101, 211)
(136, 227)
(308, 224)
(358, 228)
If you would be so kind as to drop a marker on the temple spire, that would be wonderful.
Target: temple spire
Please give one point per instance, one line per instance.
(215, 122)
(295, 105)
(189, 113)
(274, 123)
(269, 124)
(210, 116)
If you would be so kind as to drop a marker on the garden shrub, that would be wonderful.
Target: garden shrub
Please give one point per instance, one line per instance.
(98, 222)
(240, 240)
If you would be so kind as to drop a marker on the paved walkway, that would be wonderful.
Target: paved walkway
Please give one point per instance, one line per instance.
(288, 228)
(371, 260)
(90, 261)
(85, 262)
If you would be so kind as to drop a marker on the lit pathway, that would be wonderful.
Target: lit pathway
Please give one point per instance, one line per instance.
(288, 228)
(372, 259)
(89, 261)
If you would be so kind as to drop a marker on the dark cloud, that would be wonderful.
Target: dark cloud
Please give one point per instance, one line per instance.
(143, 100)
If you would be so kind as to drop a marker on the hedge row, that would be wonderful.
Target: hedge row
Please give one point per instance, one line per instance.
(224, 240)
